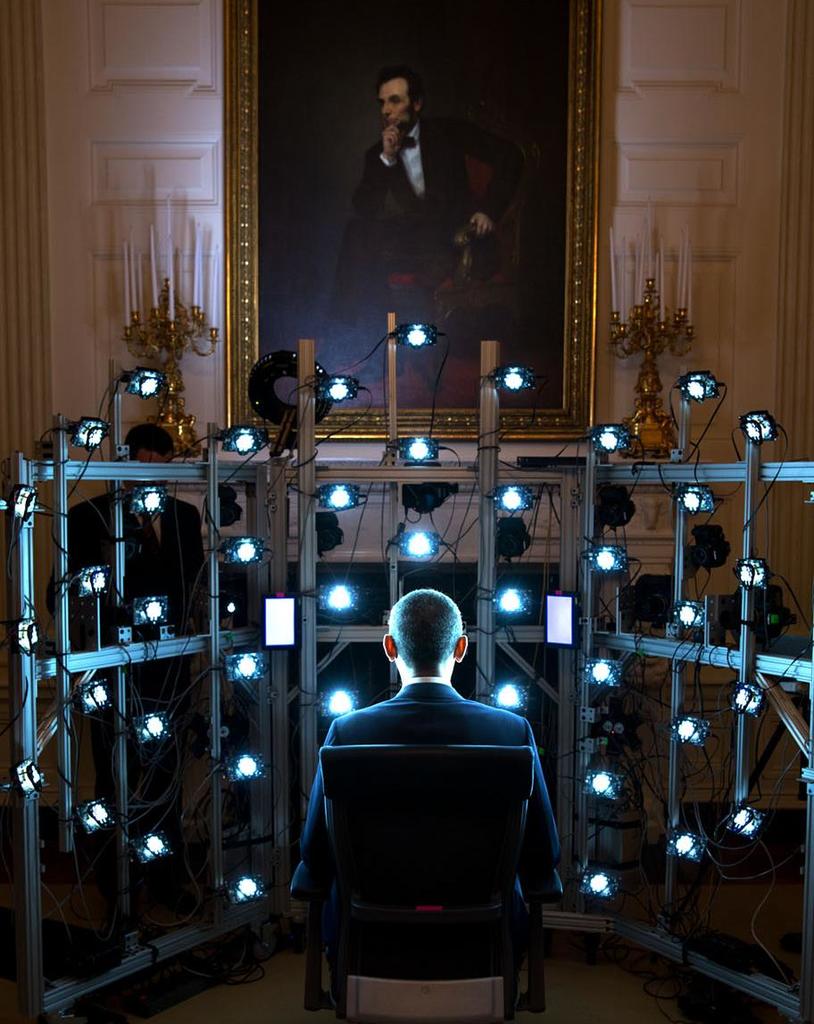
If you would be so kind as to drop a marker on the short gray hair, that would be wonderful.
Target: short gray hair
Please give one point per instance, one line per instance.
(426, 625)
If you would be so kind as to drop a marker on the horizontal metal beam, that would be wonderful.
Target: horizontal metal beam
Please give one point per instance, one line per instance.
(374, 634)
(360, 472)
(171, 472)
(786, 667)
(686, 472)
(64, 992)
(127, 654)
(775, 993)
(567, 920)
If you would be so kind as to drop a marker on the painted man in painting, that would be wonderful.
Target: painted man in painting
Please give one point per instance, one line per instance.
(424, 181)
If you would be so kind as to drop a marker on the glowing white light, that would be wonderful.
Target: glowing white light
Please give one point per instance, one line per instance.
(416, 336)
(684, 844)
(696, 390)
(599, 883)
(512, 499)
(148, 387)
(601, 782)
(605, 560)
(686, 614)
(692, 501)
(153, 611)
(247, 887)
(99, 694)
(510, 601)
(247, 665)
(155, 845)
(686, 729)
(418, 450)
(608, 440)
(340, 497)
(154, 726)
(340, 702)
(340, 598)
(338, 391)
(601, 672)
(99, 813)
(231, 607)
(247, 765)
(246, 551)
(513, 380)
(244, 442)
(419, 545)
(509, 696)
(95, 437)
(152, 501)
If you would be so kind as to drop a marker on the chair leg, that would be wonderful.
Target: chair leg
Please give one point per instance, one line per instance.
(535, 996)
(315, 998)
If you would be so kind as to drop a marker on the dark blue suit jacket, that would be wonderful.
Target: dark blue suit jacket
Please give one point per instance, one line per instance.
(427, 714)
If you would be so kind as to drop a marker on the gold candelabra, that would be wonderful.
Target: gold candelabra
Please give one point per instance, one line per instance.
(165, 338)
(650, 333)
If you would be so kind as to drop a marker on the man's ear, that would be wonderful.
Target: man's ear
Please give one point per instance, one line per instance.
(461, 645)
(390, 649)
(417, 105)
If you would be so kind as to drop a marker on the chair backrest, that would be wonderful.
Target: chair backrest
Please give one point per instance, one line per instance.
(426, 827)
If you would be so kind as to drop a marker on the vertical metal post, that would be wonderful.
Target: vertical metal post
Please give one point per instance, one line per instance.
(394, 516)
(566, 664)
(747, 635)
(307, 569)
(116, 402)
(24, 810)
(807, 960)
(487, 481)
(215, 756)
(278, 696)
(583, 689)
(677, 671)
(61, 636)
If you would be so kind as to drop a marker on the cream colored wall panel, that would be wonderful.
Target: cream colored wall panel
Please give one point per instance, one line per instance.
(148, 172)
(152, 42)
(678, 174)
(695, 42)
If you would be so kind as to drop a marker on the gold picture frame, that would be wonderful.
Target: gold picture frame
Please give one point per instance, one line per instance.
(242, 262)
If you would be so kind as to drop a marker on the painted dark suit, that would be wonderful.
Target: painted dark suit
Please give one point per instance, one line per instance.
(397, 232)
(428, 714)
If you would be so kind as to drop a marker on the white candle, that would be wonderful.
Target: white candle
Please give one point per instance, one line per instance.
(614, 304)
(126, 295)
(215, 287)
(153, 275)
(624, 279)
(661, 280)
(132, 260)
(137, 263)
(689, 281)
(171, 295)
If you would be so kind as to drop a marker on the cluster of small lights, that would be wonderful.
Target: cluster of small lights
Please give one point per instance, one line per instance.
(416, 335)
(510, 696)
(147, 500)
(89, 432)
(686, 845)
(597, 883)
(746, 699)
(604, 784)
(242, 550)
(244, 440)
(93, 580)
(93, 696)
(758, 426)
(338, 598)
(150, 611)
(419, 543)
(695, 498)
(689, 729)
(339, 389)
(514, 498)
(608, 558)
(338, 497)
(752, 573)
(603, 672)
(245, 889)
(746, 821)
(418, 449)
(28, 778)
(338, 702)
(689, 614)
(513, 601)
(245, 666)
(152, 727)
(244, 767)
(27, 635)
(514, 378)
(23, 501)
(698, 386)
(610, 437)
(144, 382)
(151, 847)
(95, 815)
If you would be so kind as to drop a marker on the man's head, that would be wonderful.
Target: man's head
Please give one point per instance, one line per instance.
(149, 443)
(426, 635)
(401, 96)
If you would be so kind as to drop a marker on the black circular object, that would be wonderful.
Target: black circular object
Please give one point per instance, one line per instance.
(264, 375)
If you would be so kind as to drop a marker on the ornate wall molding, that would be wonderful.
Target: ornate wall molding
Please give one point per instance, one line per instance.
(792, 535)
(25, 383)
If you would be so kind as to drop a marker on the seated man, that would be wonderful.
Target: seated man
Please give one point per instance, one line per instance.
(426, 640)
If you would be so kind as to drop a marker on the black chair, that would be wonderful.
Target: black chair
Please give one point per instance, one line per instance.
(426, 844)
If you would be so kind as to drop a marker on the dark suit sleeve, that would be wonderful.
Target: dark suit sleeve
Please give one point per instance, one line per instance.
(541, 845)
(315, 843)
(503, 157)
(371, 192)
